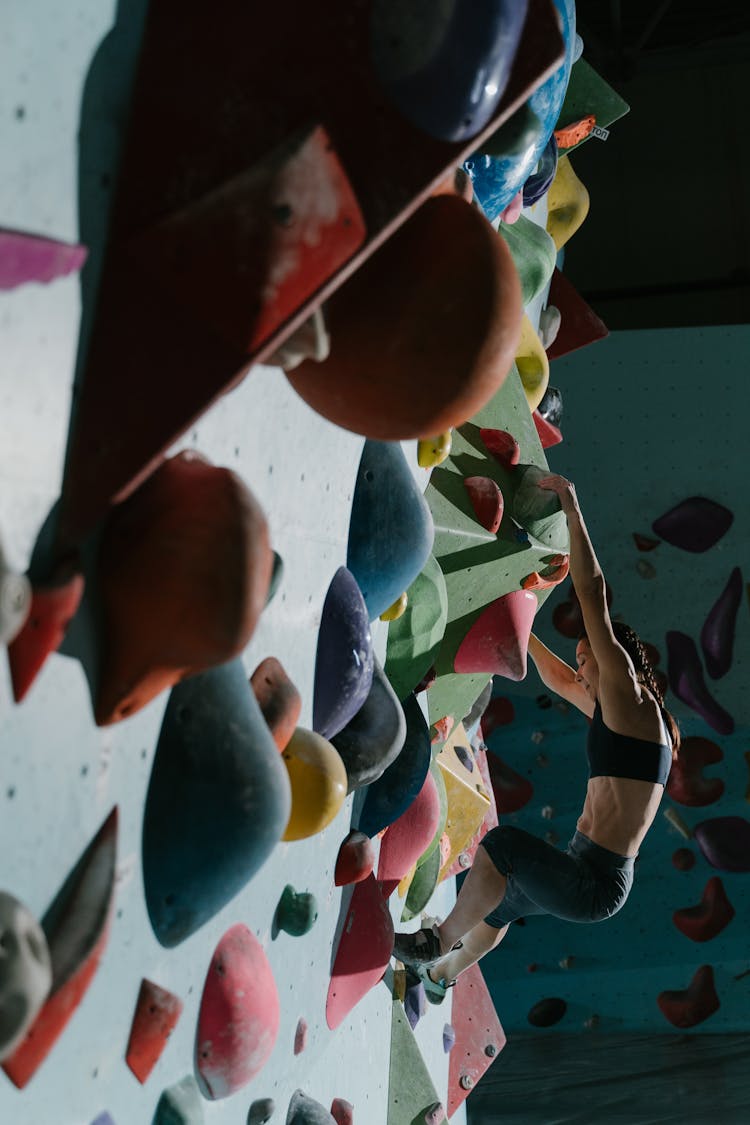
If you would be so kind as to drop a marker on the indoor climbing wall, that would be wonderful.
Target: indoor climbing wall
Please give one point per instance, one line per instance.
(651, 431)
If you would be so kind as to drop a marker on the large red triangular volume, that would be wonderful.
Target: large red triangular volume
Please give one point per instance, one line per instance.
(364, 951)
(479, 1036)
(498, 640)
(579, 324)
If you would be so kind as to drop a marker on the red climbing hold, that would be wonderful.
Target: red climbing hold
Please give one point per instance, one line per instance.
(355, 860)
(479, 1036)
(406, 839)
(300, 1036)
(342, 1111)
(683, 859)
(579, 324)
(644, 542)
(686, 783)
(548, 433)
(692, 1005)
(239, 1015)
(52, 609)
(486, 500)
(709, 917)
(498, 713)
(512, 791)
(502, 446)
(364, 951)
(156, 1014)
(278, 699)
(497, 641)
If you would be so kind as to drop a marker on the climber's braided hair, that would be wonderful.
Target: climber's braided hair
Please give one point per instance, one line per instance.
(645, 675)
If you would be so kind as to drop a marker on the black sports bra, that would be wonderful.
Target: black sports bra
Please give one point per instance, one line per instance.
(621, 755)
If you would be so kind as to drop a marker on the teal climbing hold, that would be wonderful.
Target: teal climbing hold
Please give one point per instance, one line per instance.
(391, 530)
(296, 912)
(414, 639)
(390, 796)
(304, 1110)
(180, 1105)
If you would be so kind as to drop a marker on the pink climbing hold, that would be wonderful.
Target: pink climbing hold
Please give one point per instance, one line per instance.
(156, 1014)
(686, 681)
(547, 432)
(300, 1036)
(717, 634)
(512, 212)
(364, 951)
(712, 914)
(355, 860)
(408, 836)
(342, 1111)
(686, 784)
(497, 642)
(486, 500)
(502, 446)
(443, 727)
(239, 1015)
(692, 1005)
(695, 525)
(435, 1115)
(32, 257)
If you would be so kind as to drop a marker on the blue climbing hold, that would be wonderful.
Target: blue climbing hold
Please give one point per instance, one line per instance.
(399, 785)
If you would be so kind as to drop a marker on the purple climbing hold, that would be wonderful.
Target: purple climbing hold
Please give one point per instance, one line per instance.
(449, 1037)
(464, 756)
(694, 525)
(415, 1003)
(725, 842)
(103, 1119)
(717, 634)
(686, 681)
(344, 658)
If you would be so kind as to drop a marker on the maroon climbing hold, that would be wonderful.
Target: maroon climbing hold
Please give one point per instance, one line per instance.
(342, 1111)
(686, 681)
(725, 842)
(486, 500)
(497, 642)
(683, 859)
(511, 790)
(579, 324)
(239, 1015)
(717, 634)
(548, 433)
(644, 542)
(547, 1012)
(709, 917)
(568, 619)
(692, 1005)
(686, 783)
(498, 713)
(300, 1036)
(355, 860)
(502, 446)
(695, 524)
(52, 609)
(156, 1014)
(278, 699)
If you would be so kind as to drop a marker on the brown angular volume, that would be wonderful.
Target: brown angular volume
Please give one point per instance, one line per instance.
(184, 568)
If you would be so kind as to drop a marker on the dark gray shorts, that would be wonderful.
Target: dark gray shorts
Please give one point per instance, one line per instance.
(585, 883)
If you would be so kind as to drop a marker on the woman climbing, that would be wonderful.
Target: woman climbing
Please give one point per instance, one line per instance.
(631, 743)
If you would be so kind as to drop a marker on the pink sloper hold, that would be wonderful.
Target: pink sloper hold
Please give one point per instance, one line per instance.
(408, 836)
(239, 1015)
(486, 500)
(692, 1005)
(156, 1014)
(32, 257)
(364, 951)
(717, 634)
(498, 640)
(686, 783)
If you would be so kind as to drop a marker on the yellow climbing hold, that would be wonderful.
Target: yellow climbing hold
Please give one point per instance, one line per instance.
(532, 364)
(398, 609)
(567, 203)
(433, 451)
(468, 800)
(319, 783)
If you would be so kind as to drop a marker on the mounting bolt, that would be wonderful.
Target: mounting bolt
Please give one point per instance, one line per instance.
(464, 860)
(490, 1050)
(466, 1082)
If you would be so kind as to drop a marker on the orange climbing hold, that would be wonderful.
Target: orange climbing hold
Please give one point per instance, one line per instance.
(156, 1014)
(576, 132)
(278, 699)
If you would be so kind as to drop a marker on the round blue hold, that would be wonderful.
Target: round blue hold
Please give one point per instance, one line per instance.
(446, 65)
(497, 179)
